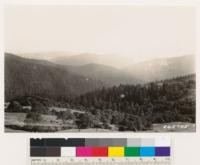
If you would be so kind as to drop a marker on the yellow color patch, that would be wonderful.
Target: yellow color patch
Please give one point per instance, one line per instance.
(115, 151)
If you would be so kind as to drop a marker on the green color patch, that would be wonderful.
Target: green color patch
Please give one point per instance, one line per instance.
(132, 151)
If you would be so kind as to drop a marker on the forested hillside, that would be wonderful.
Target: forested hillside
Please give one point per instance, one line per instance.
(28, 77)
(136, 107)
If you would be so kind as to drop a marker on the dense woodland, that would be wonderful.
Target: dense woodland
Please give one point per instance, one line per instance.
(127, 107)
(136, 107)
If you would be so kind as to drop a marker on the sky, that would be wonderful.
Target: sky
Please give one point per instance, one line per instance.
(130, 32)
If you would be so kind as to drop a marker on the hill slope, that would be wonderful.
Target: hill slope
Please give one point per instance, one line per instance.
(37, 77)
(107, 74)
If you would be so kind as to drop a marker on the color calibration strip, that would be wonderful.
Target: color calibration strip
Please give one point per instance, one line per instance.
(96, 147)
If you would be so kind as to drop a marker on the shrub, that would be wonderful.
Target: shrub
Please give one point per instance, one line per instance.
(14, 107)
(85, 120)
(39, 107)
(33, 116)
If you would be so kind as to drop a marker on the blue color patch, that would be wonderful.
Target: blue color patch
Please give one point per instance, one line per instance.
(147, 151)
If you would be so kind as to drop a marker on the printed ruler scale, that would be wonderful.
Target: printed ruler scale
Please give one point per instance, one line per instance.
(100, 151)
(101, 161)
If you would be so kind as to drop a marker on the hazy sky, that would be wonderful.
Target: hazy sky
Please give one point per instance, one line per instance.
(129, 31)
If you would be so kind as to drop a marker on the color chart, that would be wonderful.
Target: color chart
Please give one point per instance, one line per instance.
(50, 151)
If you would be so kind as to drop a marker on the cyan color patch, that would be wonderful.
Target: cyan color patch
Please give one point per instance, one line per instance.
(147, 151)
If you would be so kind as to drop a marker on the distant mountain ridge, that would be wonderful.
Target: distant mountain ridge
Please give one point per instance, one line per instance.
(116, 61)
(150, 70)
(76, 60)
(163, 68)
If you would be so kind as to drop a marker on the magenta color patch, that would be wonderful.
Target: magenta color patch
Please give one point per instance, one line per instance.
(83, 151)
